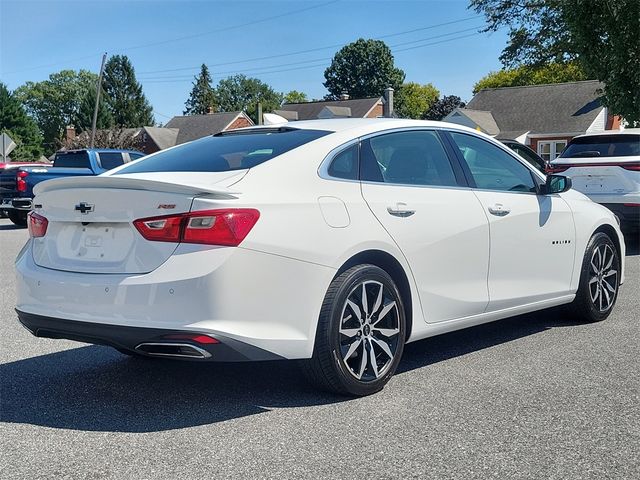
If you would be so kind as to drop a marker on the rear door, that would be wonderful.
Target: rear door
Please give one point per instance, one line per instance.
(532, 236)
(420, 198)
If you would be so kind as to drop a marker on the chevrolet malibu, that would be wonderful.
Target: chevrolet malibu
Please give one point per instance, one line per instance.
(334, 242)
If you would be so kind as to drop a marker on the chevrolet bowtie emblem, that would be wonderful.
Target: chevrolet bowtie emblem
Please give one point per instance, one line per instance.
(84, 208)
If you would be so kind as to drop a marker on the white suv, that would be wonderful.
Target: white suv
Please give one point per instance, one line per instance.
(605, 166)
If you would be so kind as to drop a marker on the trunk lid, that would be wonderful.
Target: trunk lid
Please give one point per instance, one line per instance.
(599, 176)
(90, 219)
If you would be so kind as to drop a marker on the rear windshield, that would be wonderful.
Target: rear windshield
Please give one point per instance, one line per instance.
(227, 151)
(603, 146)
(72, 160)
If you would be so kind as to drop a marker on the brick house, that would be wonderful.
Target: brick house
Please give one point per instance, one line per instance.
(544, 117)
(345, 108)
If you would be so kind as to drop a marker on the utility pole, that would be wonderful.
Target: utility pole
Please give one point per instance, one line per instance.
(95, 110)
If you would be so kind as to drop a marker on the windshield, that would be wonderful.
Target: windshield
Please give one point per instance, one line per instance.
(603, 146)
(236, 150)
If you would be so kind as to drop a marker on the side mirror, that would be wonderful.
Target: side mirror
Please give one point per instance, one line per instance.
(555, 184)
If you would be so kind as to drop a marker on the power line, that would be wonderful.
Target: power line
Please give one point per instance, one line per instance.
(310, 50)
(264, 69)
(186, 37)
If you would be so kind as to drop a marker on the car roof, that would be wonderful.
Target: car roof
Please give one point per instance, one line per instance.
(362, 125)
(626, 131)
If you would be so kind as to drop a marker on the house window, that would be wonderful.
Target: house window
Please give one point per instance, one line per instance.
(551, 150)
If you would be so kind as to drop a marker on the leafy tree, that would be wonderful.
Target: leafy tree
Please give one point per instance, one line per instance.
(84, 118)
(602, 35)
(295, 96)
(362, 69)
(15, 122)
(242, 93)
(526, 75)
(444, 107)
(606, 37)
(202, 97)
(127, 103)
(55, 103)
(414, 100)
(118, 138)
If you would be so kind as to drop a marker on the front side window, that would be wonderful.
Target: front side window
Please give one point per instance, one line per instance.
(234, 150)
(407, 158)
(491, 167)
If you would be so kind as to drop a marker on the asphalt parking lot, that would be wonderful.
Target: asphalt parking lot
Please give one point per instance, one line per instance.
(529, 397)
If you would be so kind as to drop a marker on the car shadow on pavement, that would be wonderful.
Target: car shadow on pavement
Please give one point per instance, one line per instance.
(95, 388)
(11, 226)
(632, 242)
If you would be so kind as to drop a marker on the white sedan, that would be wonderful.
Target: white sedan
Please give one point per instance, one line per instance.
(330, 241)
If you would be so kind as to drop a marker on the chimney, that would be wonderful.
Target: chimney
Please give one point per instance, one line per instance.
(70, 133)
(387, 104)
(344, 96)
(209, 110)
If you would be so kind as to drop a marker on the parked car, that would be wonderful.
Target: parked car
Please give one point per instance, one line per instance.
(527, 153)
(606, 167)
(16, 185)
(333, 242)
(9, 166)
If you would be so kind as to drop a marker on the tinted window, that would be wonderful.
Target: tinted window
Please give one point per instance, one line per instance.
(603, 146)
(230, 151)
(135, 156)
(409, 158)
(72, 160)
(345, 164)
(491, 167)
(528, 154)
(109, 160)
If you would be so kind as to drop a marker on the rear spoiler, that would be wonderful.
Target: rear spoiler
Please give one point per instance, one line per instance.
(129, 183)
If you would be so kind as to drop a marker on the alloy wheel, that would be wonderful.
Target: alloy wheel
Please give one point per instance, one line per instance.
(369, 328)
(603, 281)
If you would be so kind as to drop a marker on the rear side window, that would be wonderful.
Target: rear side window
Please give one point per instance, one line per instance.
(407, 158)
(603, 146)
(226, 152)
(109, 160)
(345, 164)
(72, 160)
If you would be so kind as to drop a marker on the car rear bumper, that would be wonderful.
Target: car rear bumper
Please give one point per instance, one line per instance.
(233, 294)
(142, 340)
(16, 203)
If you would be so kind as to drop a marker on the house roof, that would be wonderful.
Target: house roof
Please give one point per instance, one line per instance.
(192, 127)
(360, 107)
(162, 137)
(542, 109)
(482, 118)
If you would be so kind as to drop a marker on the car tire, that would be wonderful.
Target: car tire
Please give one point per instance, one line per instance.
(18, 217)
(361, 333)
(599, 281)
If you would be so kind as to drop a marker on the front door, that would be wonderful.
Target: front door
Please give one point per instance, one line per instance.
(532, 236)
(419, 197)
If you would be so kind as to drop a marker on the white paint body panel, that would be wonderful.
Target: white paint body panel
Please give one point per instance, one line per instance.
(268, 292)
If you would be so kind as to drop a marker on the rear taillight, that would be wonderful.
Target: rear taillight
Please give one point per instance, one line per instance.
(634, 167)
(21, 184)
(557, 168)
(227, 227)
(37, 225)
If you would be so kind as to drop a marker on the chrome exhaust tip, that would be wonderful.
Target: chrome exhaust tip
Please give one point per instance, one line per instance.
(174, 350)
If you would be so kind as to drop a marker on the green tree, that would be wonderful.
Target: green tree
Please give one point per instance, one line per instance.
(15, 122)
(362, 69)
(242, 93)
(127, 103)
(414, 100)
(84, 118)
(202, 97)
(295, 96)
(602, 35)
(55, 103)
(532, 75)
(444, 107)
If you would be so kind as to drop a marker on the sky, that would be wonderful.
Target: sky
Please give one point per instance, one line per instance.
(285, 43)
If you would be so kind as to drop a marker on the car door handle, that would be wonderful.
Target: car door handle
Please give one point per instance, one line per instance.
(499, 210)
(400, 210)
